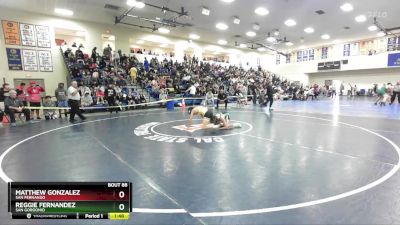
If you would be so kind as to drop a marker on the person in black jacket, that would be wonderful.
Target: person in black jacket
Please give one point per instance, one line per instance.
(270, 95)
(222, 97)
(4, 92)
(110, 95)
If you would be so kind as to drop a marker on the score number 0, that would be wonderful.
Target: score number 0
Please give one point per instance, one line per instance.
(121, 195)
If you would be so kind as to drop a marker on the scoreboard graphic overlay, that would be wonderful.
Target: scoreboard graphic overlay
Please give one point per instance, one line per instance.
(70, 200)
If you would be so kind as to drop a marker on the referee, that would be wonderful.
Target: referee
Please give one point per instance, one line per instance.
(73, 101)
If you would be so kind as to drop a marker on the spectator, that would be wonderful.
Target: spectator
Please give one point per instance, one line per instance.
(61, 96)
(191, 90)
(396, 92)
(21, 93)
(110, 95)
(4, 92)
(94, 55)
(1, 117)
(133, 73)
(222, 97)
(34, 98)
(73, 101)
(13, 106)
(49, 114)
(209, 99)
(87, 100)
(142, 99)
(146, 64)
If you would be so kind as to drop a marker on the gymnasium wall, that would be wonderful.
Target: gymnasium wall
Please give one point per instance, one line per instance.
(362, 78)
(361, 70)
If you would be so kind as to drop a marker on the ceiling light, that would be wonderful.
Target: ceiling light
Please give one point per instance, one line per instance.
(326, 36)
(164, 45)
(256, 26)
(302, 47)
(289, 43)
(290, 23)
(276, 33)
(140, 5)
(158, 18)
(372, 28)
(194, 36)
(336, 42)
(222, 42)
(163, 30)
(261, 49)
(205, 11)
(361, 18)
(347, 7)
(236, 20)
(251, 33)
(381, 34)
(140, 42)
(243, 45)
(228, 1)
(64, 12)
(271, 39)
(136, 4)
(309, 30)
(261, 11)
(221, 26)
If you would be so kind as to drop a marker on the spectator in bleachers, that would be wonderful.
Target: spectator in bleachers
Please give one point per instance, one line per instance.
(87, 100)
(146, 64)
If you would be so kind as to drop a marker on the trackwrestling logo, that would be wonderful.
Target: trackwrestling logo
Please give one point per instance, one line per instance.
(148, 132)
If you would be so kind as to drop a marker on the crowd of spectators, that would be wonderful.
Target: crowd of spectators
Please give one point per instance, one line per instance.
(132, 82)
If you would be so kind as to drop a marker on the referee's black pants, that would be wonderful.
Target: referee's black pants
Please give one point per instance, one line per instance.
(74, 104)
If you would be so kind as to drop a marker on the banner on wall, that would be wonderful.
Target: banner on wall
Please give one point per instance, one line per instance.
(355, 48)
(311, 54)
(30, 60)
(278, 59)
(346, 50)
(299, 56)
(288, 56)
(394, 59)
(43, 36)
(324, 53)
(305, 55)
(392, 44)
(11, 32)
(28, 34)
(45, 61)
(14, 58)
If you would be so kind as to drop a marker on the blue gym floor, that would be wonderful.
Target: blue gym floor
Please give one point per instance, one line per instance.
(316, 162)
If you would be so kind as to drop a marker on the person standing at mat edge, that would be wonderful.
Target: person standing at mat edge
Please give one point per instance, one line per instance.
(111, 94)
(34, 98)
(73, 100)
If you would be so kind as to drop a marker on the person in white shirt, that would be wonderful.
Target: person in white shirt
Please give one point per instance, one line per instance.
(73, 100)
(191, 90)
